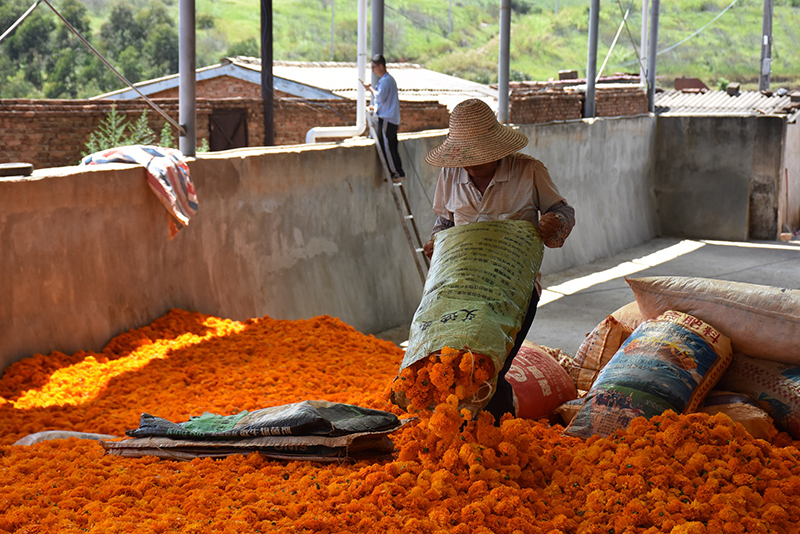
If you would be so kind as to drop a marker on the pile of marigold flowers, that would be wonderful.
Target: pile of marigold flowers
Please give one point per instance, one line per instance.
(450, 473)
(428, 382)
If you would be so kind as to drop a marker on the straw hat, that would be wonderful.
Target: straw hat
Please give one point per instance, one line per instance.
(475, 138)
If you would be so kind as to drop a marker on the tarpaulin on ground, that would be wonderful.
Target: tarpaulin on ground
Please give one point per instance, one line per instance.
(306, 418)
(308, 430)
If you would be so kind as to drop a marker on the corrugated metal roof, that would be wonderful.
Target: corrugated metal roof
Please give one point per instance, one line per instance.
(720, 103)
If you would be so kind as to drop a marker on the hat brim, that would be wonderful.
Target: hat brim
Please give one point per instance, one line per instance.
(499, 143)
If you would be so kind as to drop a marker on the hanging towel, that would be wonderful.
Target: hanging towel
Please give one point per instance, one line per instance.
(167, 175)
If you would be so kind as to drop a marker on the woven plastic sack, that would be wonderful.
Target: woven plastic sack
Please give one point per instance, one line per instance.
(598, 348)
(539, 382)
(776, 387)
(478, 288)
(668, 363)
(603, 342)
(762, 321)
(306, 418)
(741, 409)
(629, 315)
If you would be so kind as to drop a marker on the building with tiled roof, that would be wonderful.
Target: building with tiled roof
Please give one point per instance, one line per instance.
(315, 80)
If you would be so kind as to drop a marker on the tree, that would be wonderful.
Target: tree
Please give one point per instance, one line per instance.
(161, 49)
(249, 48)
(115, 130)
(120, 32)
(143, 44)
(63, 66)
(110, 133)
(131, 64)
(29, 46)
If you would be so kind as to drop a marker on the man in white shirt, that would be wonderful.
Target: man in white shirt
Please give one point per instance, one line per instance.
(484, 178)
(387, 109)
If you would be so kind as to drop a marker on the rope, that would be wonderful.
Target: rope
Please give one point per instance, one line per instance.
(19, 20)
(639, 60)
(700, 30)
(614, 43)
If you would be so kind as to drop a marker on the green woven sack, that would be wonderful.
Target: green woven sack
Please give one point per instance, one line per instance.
(477, 291)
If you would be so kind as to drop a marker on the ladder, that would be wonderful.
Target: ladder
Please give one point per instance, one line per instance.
(403, 207)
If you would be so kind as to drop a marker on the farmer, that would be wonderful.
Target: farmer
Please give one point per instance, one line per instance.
(484, 178)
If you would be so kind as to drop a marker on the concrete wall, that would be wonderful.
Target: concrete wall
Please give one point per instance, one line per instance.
(604, 168)
(719, 177)
(290, 232)
(790, 199)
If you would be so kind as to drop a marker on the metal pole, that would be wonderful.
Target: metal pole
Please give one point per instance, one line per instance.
(187, 88)
(502, 64)
(766, 47)
(333, 25)
(591, 59)
(643, 46)
(450, 18)
(651, 56)
(376, 39)
(267, 93)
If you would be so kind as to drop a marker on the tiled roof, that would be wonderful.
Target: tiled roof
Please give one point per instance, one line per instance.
(720, 103)
(414, 82)
(328, 79)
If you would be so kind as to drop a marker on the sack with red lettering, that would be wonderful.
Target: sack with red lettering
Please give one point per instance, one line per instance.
(539, 381)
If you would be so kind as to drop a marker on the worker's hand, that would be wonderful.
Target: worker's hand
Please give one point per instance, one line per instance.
(367, 86)
(548, 225)
(427, 248)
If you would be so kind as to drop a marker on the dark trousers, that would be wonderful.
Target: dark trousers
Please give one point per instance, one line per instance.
(387, 138)
(503, 401)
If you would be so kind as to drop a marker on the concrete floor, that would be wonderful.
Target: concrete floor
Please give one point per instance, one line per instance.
(576, 300)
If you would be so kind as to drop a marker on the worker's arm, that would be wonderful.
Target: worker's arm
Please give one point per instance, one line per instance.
(440, 224)
(368, 87)
(555, 225)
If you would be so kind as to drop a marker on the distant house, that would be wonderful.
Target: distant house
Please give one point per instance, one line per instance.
(241, 77)
(307, 94)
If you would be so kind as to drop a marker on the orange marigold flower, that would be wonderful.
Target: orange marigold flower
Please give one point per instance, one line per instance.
(450, 472)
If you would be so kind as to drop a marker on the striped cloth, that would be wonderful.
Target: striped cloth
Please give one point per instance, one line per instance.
(167, 175)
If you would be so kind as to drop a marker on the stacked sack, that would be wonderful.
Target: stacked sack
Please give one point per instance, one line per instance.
(751, 373)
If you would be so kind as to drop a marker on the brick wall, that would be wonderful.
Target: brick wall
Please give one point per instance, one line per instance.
(537, 102)
(546, 106)
(53, 133)
(294, 117)
(620, 101)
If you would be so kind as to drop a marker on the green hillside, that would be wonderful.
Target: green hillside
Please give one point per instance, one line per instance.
(715, 40)
(547, 36)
